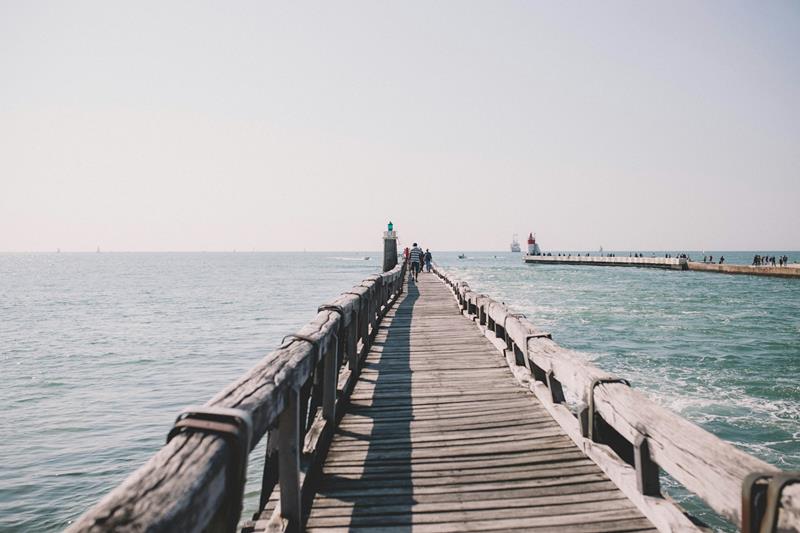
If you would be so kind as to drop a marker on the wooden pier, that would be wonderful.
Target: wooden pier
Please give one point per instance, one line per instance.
(425, 406)
(433, 439)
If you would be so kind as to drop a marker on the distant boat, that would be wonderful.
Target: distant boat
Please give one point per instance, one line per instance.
(462, 256)
(515, 244)
(366, 258)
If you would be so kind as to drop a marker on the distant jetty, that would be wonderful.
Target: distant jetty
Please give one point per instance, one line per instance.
(671, 263)
(776, 271)
(668, 263)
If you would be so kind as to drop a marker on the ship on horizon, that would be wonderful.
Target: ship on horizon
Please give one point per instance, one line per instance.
(515, 244)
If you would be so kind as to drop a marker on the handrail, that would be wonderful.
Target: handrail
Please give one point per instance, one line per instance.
(632, 427)
(291, 393)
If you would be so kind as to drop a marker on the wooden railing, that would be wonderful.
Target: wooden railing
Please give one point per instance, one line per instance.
(295, 394)
(632, 438)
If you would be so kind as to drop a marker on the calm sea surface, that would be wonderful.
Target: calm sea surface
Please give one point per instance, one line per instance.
(98, 352)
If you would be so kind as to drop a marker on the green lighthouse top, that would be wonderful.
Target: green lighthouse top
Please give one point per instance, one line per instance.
(390, 225)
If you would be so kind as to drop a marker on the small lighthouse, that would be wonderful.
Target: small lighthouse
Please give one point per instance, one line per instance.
(533, 248)
(389, 248)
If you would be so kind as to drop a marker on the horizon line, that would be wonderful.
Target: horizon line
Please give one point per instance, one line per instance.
(457, 250)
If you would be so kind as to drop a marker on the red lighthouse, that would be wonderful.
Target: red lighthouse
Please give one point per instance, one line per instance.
(533, 248)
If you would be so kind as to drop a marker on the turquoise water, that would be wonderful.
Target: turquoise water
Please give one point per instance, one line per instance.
(98, 352)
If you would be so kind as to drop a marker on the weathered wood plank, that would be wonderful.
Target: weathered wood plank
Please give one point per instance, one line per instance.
(706, 465)
(182, 486)
(436, 415)
(507, 504)
(542, 515)
(595, 487)
(596, 520)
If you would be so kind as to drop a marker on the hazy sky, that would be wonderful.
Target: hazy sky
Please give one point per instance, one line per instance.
(283, 126)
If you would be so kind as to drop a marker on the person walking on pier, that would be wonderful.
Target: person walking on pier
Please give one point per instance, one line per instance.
(415, 256)
(428, 259)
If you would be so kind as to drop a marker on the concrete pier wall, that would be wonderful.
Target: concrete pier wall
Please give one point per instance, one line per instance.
(671, 263)
(783, 272)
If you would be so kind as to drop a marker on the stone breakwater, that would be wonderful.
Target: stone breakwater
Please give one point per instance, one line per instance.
(671, 263)
(792, 271)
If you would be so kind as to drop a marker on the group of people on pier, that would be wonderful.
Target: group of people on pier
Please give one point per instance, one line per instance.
(710, 259)
(764, 260)
(416, 258)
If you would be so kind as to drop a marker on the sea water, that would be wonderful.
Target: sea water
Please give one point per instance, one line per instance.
(99, 352)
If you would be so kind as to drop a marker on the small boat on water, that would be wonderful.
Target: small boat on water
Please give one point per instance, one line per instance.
(515, 244)
(462, 256)
(366, 258)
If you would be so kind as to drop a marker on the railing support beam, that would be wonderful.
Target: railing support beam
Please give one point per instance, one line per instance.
(330, 382)
(647, 480)
(289, 461)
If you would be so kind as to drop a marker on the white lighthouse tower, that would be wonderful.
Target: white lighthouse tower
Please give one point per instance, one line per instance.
(533, 248)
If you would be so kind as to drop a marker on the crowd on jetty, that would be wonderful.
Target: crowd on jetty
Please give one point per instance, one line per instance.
(612, 254)
(759, 260)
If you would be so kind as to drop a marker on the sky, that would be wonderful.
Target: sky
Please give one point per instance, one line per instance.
(180, 126)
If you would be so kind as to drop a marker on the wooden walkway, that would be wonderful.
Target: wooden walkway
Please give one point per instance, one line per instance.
(448, 415)
(438, 436)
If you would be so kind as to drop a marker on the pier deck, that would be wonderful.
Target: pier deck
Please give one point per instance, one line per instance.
(439, 436)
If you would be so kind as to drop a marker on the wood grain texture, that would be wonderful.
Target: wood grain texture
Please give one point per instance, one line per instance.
(706, 465)
(438, 436)
(182, 486)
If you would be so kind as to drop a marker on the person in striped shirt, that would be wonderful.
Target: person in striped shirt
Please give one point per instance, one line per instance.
(415, 256)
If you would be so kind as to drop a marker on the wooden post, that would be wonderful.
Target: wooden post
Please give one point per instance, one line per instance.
(330, 381)
(373, 311)
(289, 459)
(556, 391)
(363, 318)
(270, 476)
(583, 420)
(352, 345)
(646, 470)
